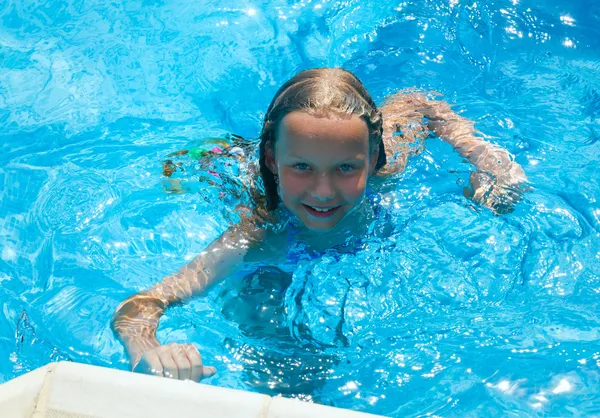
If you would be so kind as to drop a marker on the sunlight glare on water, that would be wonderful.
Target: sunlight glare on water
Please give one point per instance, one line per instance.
(444, 309)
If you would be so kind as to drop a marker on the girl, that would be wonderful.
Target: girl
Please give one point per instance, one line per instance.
(323, 139)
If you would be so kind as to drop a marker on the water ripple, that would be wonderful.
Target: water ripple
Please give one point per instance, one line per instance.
(73, 199)
(445, 310)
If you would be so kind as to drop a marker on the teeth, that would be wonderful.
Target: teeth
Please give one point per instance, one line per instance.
(321, 210)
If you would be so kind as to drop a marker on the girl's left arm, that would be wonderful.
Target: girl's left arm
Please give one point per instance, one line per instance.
(497, 182)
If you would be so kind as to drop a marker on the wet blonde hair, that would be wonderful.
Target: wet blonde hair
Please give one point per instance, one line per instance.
(319, 91)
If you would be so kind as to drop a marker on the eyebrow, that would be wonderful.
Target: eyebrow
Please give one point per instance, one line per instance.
(340, 160)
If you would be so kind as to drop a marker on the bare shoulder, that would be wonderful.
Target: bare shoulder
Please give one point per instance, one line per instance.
(250, 230)
(264, 243)
(404, 130)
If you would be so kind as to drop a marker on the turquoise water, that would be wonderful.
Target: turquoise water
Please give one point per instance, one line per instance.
(454, 312)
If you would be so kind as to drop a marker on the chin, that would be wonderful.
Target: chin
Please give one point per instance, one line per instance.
(320, 226)
(314, 227)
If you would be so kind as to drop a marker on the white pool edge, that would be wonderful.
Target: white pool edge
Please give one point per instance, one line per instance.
(74, 390)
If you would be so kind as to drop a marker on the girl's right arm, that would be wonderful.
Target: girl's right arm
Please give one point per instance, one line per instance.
(136, 319)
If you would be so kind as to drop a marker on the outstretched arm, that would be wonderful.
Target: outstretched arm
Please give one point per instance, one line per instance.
(496, 184)
(461, 134)
(136, 319)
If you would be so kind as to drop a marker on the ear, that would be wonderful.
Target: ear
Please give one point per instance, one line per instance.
(270, 157)
(373, 159)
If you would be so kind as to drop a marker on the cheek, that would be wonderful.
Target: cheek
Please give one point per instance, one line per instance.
(291, 185)
(354, 186)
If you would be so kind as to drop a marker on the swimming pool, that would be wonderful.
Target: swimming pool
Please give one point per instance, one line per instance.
(453, 312)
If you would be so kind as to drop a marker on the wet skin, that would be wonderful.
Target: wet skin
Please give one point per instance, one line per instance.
(322, 163)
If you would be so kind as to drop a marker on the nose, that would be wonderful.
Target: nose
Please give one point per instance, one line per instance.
(323, 190)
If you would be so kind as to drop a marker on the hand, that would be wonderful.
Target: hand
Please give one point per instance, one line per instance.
(495, 194)
(177, 361)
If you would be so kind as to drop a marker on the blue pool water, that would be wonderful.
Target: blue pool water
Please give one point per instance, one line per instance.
(455, 312)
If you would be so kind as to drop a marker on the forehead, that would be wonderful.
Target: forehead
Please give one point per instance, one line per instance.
(300, 128)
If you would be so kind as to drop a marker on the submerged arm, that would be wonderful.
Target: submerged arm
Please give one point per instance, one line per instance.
(496, 184)
(461, 134)
(403, 131)
(136, 319)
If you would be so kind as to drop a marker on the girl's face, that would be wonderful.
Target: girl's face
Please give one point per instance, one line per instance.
(323, 164)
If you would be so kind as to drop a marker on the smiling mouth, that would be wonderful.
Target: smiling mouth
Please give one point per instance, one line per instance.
(321, 212)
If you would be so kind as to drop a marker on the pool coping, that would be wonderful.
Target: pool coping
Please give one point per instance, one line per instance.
(75, 390)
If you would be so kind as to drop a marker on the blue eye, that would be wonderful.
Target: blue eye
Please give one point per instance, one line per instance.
(301, 167)
(346, 168)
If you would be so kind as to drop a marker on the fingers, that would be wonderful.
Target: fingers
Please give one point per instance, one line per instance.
(195, 361)
(182, 362)
(199, 371)
(175, 361)
(208, 372)
(169, 365)
(149, 364)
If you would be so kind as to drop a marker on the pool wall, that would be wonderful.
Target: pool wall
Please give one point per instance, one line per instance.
(73, 390)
